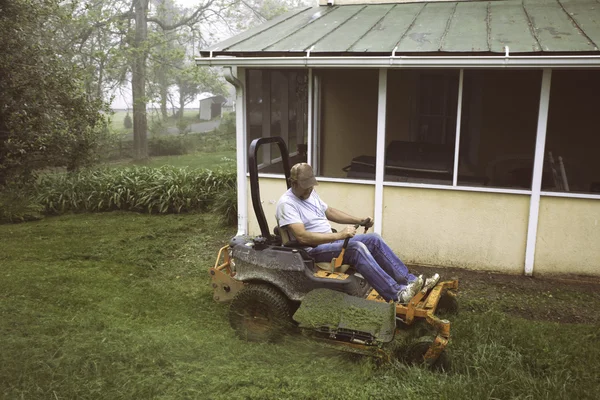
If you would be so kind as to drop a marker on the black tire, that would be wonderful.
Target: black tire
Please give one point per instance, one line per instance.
(448, 305)
(260, 313)
(415, 355)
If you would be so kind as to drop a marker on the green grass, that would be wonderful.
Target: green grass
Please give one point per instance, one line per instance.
(116, 122)
(119, 306)
(190, 116)
(199, 159)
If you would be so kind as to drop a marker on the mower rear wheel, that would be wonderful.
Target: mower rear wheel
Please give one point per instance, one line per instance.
(415, 355)
(260, 313)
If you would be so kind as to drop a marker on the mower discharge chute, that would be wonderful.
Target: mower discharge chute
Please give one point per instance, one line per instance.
(274, 287)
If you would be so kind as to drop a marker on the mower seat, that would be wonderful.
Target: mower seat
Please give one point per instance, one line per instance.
(287, 241)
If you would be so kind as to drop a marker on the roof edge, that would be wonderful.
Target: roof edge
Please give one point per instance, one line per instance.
(562, 61)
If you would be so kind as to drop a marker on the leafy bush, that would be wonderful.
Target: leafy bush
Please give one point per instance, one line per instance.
(18, 204)
(227, 125)
(152, 190)
(167, 146)
(225, 203)
(222, 138)
(46, 116)
(157, 126)
(127, 122)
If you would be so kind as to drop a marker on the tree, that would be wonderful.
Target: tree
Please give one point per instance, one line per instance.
(127, 122)
(128, 30)
(140, 56)
(192, 81)
(46, 116)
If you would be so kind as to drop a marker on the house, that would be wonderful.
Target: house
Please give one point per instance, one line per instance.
(210, 107)
(468, 129)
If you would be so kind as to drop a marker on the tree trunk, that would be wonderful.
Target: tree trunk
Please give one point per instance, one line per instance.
(138, 82)
(181, 103)
(100, 78)
(163, 99)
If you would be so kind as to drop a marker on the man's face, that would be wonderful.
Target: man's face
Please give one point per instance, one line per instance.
(300, 193)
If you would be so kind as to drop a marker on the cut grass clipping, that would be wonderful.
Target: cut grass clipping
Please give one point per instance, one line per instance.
(119, 306)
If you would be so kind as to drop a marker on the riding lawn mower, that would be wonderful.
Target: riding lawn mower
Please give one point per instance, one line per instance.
(274, 287)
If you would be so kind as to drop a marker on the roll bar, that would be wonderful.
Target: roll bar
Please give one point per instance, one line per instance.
(254, 188)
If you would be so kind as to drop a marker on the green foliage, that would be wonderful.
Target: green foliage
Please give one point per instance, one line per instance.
(227, 125)
(46, 116)
(158, 126)
(167, 146)
(127, 122)
(152, 190)
(225, 203)
(18, 204)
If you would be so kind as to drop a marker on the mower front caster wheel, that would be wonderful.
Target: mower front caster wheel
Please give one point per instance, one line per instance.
(448, 305)
(260, 313)
(415, 355)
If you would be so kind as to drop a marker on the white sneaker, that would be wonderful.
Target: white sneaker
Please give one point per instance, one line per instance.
(410, 290)
(431, 282)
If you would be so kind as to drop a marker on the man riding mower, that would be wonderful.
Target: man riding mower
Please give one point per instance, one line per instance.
(275, 286)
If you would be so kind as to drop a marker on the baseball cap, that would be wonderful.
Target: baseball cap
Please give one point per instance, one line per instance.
(303, 174)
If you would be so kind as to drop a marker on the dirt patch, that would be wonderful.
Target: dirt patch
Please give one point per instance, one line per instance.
(565, 299)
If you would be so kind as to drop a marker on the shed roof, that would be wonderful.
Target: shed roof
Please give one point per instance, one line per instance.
(525, 26)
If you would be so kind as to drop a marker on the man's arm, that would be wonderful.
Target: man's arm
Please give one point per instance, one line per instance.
(341, 217)
(314, 239)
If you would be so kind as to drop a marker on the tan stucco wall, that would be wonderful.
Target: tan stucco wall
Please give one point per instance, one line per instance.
(484, 231)
(349, 118)
(270, 191)
(568, 238)
(354, 199)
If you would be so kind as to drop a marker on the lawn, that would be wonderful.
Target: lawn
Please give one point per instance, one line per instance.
(117, 119)
(200, 159)
(119, 306)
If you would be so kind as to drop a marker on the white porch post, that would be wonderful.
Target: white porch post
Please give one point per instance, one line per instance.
(538, 167)
(266, 114)
(458, 122)
(240, 139)
(310, 139)
(380, 153)
(315, 134)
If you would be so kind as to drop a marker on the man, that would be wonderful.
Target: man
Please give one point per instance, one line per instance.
(307, 217)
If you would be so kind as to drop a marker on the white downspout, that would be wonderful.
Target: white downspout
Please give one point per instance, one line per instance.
(240, 139)
(538, 170)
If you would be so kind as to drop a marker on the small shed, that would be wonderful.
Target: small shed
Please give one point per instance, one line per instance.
(210, 107)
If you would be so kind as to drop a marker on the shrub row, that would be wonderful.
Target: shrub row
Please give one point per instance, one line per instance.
(142, 189)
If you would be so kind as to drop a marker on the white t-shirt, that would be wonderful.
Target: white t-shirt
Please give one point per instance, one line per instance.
(310, 212)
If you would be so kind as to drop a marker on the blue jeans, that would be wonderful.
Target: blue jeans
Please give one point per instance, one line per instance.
(373, 259)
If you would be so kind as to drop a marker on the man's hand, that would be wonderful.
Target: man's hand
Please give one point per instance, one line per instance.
(367, 222)
(348, 232)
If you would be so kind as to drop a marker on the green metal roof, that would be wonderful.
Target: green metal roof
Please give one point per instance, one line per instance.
(525, 26)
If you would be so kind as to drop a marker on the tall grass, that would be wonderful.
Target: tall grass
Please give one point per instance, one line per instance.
(142, 189)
